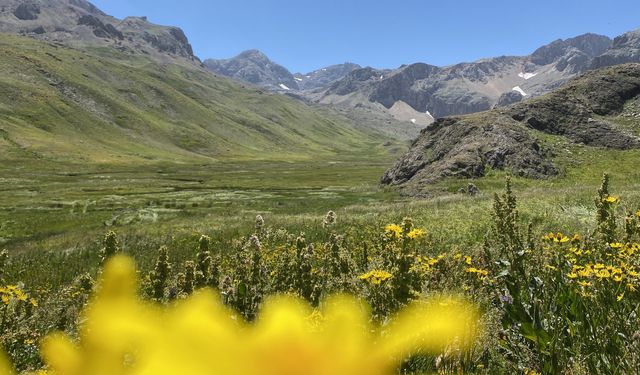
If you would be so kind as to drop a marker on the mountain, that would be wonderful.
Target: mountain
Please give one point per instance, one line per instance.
(323, 78)
(599, 108)
(79, 23)
(254, 67)
(625, 49)
(423, 92)
(68, 105)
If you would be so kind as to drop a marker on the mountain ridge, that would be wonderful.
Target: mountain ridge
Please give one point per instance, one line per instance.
(79, 23)
(586, 110)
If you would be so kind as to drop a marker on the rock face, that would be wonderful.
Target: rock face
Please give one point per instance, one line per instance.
(466, 147)
(80, 23)
(506, 138)
(323, 78)
(100, 29)
(27, 11)
(625, 49)
(472, 87)
(508, 98)
(254, 67)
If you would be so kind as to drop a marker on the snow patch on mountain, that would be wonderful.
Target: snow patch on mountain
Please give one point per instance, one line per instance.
(521, 91)
(284, 87)
(527, 75)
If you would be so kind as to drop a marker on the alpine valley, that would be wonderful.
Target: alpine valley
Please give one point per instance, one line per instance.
(166, 214)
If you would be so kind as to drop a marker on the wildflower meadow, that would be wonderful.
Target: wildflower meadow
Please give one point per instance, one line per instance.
(344, 300)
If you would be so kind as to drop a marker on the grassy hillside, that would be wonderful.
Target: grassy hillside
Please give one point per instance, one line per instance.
(102, 106)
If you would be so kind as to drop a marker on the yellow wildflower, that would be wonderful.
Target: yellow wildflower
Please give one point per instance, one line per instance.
(21, 296)
(416, 233)
(620, 297)
(551, 267)
(467, 259)
(584, 283)
(631, 287)
(200, 336)
(603, 274)
(376, 277)
(572, 275)
(618, 278)
(393, 230)
(479, 272)
(611, 199)
(616, 245)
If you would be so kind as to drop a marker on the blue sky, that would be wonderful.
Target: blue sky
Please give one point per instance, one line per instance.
(305, 35)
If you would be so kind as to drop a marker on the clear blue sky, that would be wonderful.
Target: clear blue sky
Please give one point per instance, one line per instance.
(304, 35)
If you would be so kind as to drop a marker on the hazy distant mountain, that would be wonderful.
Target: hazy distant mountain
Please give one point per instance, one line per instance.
(423, 92)
(80, 23)
(323, 78)
(254, 67)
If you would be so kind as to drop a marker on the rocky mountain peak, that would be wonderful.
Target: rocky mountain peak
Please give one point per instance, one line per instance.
(80, 23)
(625, 49)
(324, 77)
(254, 67)
(589, 45)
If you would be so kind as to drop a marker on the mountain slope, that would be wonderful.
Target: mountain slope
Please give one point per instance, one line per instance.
(104, 106)
(586, 110)
(79, 23)
(464, 88)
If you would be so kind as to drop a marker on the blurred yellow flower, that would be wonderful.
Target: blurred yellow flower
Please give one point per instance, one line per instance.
(123, 335)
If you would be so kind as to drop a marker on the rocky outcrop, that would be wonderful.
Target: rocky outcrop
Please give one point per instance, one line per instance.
(571, 110)
(174, 41)
(508, 98)
(27, 11)
(100, 29)
(505, 138)
(467, 147)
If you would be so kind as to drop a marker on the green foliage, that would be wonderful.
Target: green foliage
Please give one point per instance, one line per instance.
(159, 277)
(110, 247)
